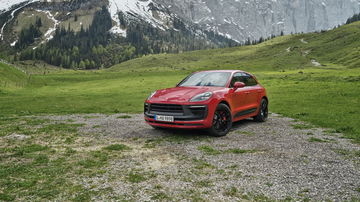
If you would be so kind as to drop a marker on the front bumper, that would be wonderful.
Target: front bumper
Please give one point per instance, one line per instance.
(185, 116)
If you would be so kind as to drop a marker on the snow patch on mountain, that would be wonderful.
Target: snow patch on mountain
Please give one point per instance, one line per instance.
(117, 30)
(140, 9)
(7, 4)
(50, 32)
(13, 43)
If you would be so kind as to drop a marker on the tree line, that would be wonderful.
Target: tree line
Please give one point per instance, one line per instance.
(152, 40)
(89, 48)
(28, 35)
(95, 47)
(354, 18)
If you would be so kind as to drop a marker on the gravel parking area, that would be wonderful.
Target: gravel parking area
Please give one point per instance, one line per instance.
(281, 159)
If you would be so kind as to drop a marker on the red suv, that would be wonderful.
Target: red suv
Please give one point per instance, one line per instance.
(210, 100)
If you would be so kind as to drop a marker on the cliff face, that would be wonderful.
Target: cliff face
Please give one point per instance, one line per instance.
(242, 19)
(235, 19)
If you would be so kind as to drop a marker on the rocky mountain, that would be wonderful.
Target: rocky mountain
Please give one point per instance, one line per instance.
(242, 19)
(152, 26)
(61, 12)
(97, 33)
(235, 19)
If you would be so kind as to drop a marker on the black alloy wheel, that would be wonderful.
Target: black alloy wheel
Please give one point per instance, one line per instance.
(263, 112)
(222, 121)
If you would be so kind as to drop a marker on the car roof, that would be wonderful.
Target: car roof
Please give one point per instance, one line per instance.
(231, 71)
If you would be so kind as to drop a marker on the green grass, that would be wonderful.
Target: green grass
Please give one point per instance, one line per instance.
(206, 149)
(48, 164)
(160, 196)
(302, 126)
(241, 151)
(11, 78)
(246, 133)
(124, 117)
(314, 139)
(202, 164)
(348, 153)
(136, 177)
(326, 96)
(231, 192)
(117, 147)
(204, 183)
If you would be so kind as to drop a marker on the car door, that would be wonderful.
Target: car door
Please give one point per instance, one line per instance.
(252, 94)
(239, 100)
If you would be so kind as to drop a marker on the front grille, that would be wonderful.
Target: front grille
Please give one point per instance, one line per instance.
(179, 112)
(199, 112)
(166, 108)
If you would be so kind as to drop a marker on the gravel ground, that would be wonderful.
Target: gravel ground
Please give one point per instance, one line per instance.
(255, 161)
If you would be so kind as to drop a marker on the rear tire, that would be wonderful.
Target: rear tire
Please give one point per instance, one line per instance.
(263, 111)
(222, 121)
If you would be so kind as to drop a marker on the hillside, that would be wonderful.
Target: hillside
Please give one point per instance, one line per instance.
(11, 77)
(312, 77)
(338, 46)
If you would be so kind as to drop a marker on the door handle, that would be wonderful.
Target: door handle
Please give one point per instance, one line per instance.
(247, 93)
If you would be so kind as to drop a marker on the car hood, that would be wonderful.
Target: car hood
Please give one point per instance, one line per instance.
(180, 94)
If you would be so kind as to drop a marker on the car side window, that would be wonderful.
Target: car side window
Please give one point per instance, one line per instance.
(249, 80)
(236, 78)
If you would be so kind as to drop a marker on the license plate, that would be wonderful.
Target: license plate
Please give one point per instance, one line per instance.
(164, 118)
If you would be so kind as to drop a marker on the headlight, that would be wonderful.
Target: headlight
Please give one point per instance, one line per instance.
(201, 97)
(151, 95)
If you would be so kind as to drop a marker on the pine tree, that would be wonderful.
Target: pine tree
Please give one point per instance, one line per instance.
(82, 65)
(261, 40)
(354, 18)
(38, 22)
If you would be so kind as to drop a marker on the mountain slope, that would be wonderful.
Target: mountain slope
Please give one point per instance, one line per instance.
(235, 19)
(91, 34)
(60, 12)
(339, 46)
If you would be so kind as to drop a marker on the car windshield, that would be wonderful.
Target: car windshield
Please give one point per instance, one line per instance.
(218, 79)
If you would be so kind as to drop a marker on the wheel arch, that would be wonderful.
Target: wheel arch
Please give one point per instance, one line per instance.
(266, 98)
(226, 103)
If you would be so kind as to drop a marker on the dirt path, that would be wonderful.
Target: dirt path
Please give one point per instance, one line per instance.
(271, 160)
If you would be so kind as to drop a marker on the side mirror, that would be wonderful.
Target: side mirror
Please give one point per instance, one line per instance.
(239, 85)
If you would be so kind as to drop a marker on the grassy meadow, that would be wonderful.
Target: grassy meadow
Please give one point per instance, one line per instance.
(312, 77)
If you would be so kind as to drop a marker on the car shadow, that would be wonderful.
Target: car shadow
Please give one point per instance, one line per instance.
(242, 123)
(199, 133)
(184, 133)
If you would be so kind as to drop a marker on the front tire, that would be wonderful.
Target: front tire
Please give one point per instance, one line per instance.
(263, 111)
(222, 121)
